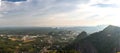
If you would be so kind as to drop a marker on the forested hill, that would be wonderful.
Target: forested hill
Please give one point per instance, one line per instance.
(106, 41)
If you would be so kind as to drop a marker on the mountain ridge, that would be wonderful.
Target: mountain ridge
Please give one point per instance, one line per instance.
(105, 41)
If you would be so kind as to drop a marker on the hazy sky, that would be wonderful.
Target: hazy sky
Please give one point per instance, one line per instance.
(59, 12)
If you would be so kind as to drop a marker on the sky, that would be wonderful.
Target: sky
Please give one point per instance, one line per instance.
(59, 12)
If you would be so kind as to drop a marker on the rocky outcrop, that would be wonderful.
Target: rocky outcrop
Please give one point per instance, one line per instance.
(82, 35)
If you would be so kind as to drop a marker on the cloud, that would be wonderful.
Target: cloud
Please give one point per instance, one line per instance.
(43, 7)
(12, 12)
(105, 5)
(14, 0)
(58, 12)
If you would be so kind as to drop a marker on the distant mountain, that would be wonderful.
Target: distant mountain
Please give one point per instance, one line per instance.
(43, 30)
(88, 29)
(106, 41)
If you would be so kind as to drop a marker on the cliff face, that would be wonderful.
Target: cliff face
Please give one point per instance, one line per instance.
(106, 41)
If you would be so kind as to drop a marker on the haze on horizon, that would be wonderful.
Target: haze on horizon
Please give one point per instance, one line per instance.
(59, 12)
